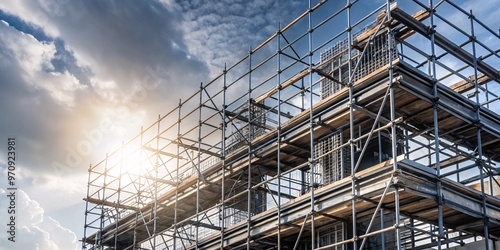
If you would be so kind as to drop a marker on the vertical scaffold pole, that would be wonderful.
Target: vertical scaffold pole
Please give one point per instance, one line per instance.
(479, 161)
(139, 189)
(394, 142)
(101, 223)
(249, 124)
(85, 225)
(177, 181)
(200, 124)
(342, 157)
(436, 126)
(382, 235)
(278, 56)
(117, 211)
(223, 155)
(311, 120)
(157, 165)
(351, 126)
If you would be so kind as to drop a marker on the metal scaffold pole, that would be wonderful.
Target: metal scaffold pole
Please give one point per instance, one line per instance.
(117, 212)
(278, 151)
(198, 166)
(312, 162)
(479, 160)
(351, 127)
(101, 222)
(139, 189)
(156, 169)
(85, 225)
(393, 126)
(437, 150)
(223, 162)
(249, 140)
(177, 175)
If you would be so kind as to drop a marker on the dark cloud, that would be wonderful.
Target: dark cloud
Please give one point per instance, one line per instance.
(65, 60)
(67, 68)
(223, 31)
(131, 45)
(120, 40)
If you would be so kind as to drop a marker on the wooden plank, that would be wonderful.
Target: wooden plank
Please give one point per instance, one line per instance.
(451, 161)
(109, 204)
(163, 152)
(466, 85)
(360, 41)
(245, 119)
(285, 84)
(171, 183)
(195, 148)
(274, 110)
(495, 187)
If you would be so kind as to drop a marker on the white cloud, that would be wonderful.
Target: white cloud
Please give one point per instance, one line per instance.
(35, 230)
(31, 54)
(223, 31)
(66, 67)
(33, 14)
(34, 58)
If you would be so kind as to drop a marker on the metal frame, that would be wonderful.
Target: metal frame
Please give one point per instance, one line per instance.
(235, 169)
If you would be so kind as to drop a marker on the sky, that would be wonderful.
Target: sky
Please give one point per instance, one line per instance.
(79, 77)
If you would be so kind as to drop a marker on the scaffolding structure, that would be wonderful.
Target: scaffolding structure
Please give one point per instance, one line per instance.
(353, 127)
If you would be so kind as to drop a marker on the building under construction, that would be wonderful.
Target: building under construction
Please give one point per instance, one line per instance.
(355, 126)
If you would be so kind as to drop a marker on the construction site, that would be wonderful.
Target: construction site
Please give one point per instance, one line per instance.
(355, 126)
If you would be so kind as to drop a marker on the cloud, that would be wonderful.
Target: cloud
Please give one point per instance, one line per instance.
(71, 66)
(34, 59)
(223, 31)
(66, 74)
(35, 230)
(77, 77)
(121, 40)
(37, 100)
